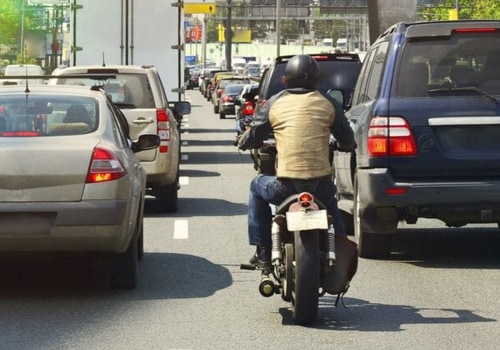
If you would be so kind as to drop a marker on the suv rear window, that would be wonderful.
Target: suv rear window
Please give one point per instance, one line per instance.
(461, 62)
(127, 89)
(346, 73)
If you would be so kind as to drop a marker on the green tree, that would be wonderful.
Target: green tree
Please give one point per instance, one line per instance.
(468, 9)
(486, 9)
(10, 15)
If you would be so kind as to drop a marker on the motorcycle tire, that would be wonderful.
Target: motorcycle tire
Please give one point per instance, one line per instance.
(287, 279)
(306, 282)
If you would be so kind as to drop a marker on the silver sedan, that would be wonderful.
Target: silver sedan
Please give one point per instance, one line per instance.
(69, 178)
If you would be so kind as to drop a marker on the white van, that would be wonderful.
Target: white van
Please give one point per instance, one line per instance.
(22, 70)
(239, 65)
(328, 42)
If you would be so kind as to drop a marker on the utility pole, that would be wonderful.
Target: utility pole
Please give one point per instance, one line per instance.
(229, 37)
(278, 27)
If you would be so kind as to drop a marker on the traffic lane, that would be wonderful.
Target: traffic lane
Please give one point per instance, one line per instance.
(390, 302)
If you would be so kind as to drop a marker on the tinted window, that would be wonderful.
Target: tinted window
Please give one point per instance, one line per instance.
(333, 75)
(458, 61)
(129, 90)
(373, 87)
(233, 89)
(50, 115)
(359, 95)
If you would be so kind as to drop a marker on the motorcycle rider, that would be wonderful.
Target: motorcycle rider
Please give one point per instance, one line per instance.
(301, 119)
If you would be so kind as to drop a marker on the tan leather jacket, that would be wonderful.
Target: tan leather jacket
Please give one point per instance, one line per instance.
(301, 124)
(301, 121)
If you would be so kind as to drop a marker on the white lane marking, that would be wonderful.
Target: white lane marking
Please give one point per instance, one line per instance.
(181, 229)
(184, 157)
(184, 180)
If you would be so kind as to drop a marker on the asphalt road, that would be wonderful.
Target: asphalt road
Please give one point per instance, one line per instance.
(439, 289)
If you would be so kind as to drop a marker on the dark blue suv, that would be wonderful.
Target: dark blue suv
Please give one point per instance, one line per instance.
(426, 117)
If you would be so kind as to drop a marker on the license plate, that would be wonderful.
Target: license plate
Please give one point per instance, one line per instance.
(307, 220)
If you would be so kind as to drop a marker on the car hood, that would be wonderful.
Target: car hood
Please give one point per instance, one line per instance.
(45, 169)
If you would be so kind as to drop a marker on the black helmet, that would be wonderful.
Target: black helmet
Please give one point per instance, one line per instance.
(302, 71)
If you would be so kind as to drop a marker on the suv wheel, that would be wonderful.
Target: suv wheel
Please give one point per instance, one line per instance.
(370, 245)
(167, 196)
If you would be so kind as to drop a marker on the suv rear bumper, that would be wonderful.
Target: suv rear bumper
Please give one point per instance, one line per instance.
(457, 202)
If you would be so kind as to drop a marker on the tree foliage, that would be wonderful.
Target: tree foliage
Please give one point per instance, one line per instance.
(467, 9)
(486, 9)
(10, 15)
(12, 23)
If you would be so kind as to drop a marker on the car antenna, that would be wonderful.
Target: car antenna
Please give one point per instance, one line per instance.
(103, 60)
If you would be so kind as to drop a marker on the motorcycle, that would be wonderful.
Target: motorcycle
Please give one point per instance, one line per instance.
(308, 258)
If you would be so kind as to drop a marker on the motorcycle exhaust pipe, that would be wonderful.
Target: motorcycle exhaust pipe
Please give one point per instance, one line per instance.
(248, 267)
(267, 288)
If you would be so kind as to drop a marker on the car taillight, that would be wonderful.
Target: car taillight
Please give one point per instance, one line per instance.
(104, 166)
(390, 136)
(248, 108)
(163, 127)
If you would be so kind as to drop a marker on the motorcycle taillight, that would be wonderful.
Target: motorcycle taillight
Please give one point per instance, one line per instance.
(305, 199)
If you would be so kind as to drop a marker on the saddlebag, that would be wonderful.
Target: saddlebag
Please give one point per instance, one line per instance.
(346, 264)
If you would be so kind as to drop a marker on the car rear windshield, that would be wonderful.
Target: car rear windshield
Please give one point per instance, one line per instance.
(456, 65)
(233, 89)
(333, 75)
(128, 90)
(54, 115)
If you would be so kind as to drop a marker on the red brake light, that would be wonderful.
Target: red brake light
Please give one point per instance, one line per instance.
(390, 136)
(474, 30)
(320, 58)
(104, 166)
(396, 190)
(26, 133)
(163, 126)
(305, 199)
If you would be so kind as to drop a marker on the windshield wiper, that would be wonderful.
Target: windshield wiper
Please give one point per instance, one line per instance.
(455, 90)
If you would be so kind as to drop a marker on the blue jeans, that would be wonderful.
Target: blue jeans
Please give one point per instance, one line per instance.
(265, 189)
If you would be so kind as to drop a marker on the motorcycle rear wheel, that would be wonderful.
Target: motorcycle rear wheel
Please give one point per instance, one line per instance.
(306, 278)
(287, 279)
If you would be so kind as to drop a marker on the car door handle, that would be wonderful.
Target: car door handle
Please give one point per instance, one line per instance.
(143, 121)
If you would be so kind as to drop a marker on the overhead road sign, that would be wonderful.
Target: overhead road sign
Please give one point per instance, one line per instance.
(195, 8)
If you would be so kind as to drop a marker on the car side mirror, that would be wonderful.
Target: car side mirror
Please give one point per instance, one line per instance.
(182, 107)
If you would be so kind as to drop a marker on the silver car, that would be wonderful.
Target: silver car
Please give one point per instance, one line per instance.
(70, 181)
(139, 93)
